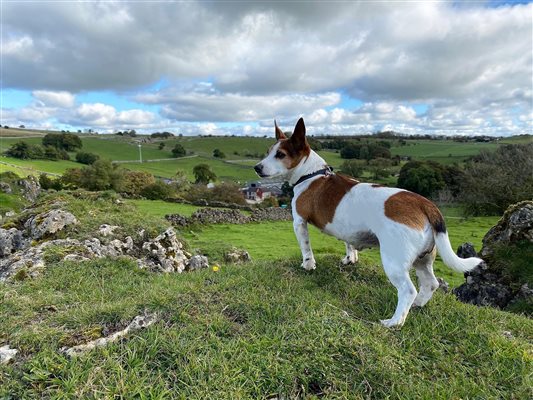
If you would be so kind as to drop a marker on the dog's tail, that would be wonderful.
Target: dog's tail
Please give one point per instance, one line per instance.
(442, 241)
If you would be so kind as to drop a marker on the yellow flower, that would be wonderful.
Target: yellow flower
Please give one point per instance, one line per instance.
(216, 268)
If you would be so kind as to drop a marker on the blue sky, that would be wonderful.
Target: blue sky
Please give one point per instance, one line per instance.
(233, 67)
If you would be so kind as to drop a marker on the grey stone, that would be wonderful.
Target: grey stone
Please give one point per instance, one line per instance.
(107, 230)
(11, 240)
(237, 256)
(197, 262)
(7, 354)
(48, 223)
(164, 253)
(30, 188)
(466, 250)
(5, 188)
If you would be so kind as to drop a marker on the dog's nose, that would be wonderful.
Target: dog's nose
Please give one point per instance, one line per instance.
(258, 168)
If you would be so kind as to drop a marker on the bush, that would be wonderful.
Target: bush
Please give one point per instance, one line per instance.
(422, 178)
(25, 151)
(48, 183)
(65, 141)
(352, 168)
(178, 151)
(135, 181)
(158, 190)
(218, 154)
(495, 180)
(203, 174)
(84, 157)
(226, 192)
(161, 146)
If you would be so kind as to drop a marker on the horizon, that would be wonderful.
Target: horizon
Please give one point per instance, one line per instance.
(199, 68)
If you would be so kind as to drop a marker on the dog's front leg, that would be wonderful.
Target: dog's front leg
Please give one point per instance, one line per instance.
(302, 234)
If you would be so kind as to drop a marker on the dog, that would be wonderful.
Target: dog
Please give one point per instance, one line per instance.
(408, 228)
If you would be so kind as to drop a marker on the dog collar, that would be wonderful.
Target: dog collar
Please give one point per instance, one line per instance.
(325, 171)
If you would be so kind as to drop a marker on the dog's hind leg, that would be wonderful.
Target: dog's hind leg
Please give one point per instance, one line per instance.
(426, 278)
(398, 273)
(351, 255)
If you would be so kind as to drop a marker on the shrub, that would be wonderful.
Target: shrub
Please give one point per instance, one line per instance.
(352, 168)
(135, 181)
(178, 151)
(25, 151)
(226, 192)
(203, 174)
(65, 141)
(71, 178)
(158, 190)
(494, 180)
(84, 157)
(218, 154)
(162, 145)
(48, 183)
(421, 178)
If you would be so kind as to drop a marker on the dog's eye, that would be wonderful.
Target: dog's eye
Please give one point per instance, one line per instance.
(279, 155)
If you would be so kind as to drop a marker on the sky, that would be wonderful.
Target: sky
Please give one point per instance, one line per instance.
(232, 67)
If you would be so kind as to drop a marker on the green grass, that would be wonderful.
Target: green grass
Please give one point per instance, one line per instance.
(444, 151)
(160, 208)
(35, 167)
(256, 331)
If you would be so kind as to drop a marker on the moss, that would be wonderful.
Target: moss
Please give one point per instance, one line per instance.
(21, 275)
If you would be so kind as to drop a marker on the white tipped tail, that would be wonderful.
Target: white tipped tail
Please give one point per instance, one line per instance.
(450, 258)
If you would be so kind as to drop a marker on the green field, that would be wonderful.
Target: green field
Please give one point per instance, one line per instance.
(263, 330)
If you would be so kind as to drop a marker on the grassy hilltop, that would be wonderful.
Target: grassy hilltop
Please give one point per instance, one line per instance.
(261, 330)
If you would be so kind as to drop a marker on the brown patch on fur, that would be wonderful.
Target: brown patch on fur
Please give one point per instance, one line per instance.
(414, 210)
(294, 155)
(317, 204)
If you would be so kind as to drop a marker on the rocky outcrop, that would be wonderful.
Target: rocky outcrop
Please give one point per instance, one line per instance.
(46, 224)
(138, 323)
(197, 262)
(107, 230)
(5, 188)
(30, 188)
(11, 240)
(221, 216)
(503, 281)
(165, 253)
(466, 250)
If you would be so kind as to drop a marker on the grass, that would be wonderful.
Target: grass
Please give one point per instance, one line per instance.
(256, 331)
(444, 151)
(160, 208)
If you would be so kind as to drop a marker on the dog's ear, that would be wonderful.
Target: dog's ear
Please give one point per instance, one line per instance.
(279, 132)
(298, 138)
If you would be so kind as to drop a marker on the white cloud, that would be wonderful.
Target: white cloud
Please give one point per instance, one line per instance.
(54, 99)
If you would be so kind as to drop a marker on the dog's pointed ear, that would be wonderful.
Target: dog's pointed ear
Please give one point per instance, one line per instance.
(279, 132)
(298, 137)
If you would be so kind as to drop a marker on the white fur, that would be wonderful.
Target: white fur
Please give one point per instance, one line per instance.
(358, 220)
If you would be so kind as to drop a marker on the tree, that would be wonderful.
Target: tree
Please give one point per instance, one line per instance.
(351, 151)
(135, 181)
(86, 157)
(218, 153)
(161, 145)
(178, 151)
(494, 180)
(352, 168)
(158, 190)
(25, 151)
(65, 141)
(203, 174)
(421, 178)
(102, 175)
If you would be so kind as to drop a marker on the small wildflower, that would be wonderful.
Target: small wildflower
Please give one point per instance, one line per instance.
(216, 268)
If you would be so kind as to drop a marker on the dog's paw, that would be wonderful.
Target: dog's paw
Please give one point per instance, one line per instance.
(309, 265)
(348, 260)
(390, 323)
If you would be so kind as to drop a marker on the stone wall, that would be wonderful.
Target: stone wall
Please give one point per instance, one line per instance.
(221, 216)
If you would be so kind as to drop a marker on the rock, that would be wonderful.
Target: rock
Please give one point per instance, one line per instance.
(48, 223)
(107, 230)
(165, 253)
(138, 323)
(443, 285)
(5, 188)
(271, 214)
(496, 282)
(7, 354)
(237, 256)
(11, 240)
(219, 216)
(10, 214)
(30, 188)
(178, 220)
(466, 250)
(197, 262)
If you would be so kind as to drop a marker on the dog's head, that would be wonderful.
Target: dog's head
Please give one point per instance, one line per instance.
(285, 154)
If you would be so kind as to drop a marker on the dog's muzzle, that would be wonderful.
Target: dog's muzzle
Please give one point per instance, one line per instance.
(259, 170)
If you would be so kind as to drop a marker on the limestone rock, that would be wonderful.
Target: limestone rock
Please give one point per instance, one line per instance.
(138, 323)
(5, 188)
(11, 240)
(48, 223)
(30, 188)
(197, 262)
(165, 253)
(495, 282)
(237, 256)
(7, 354)
(107, 230)
(466, 250)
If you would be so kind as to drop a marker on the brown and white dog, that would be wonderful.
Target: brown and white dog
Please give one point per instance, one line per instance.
(408, 228)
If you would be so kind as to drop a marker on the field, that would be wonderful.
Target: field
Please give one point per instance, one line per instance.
(263, 330)
(241, 154)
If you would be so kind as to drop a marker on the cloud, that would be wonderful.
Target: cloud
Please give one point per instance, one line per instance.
(54, 99)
